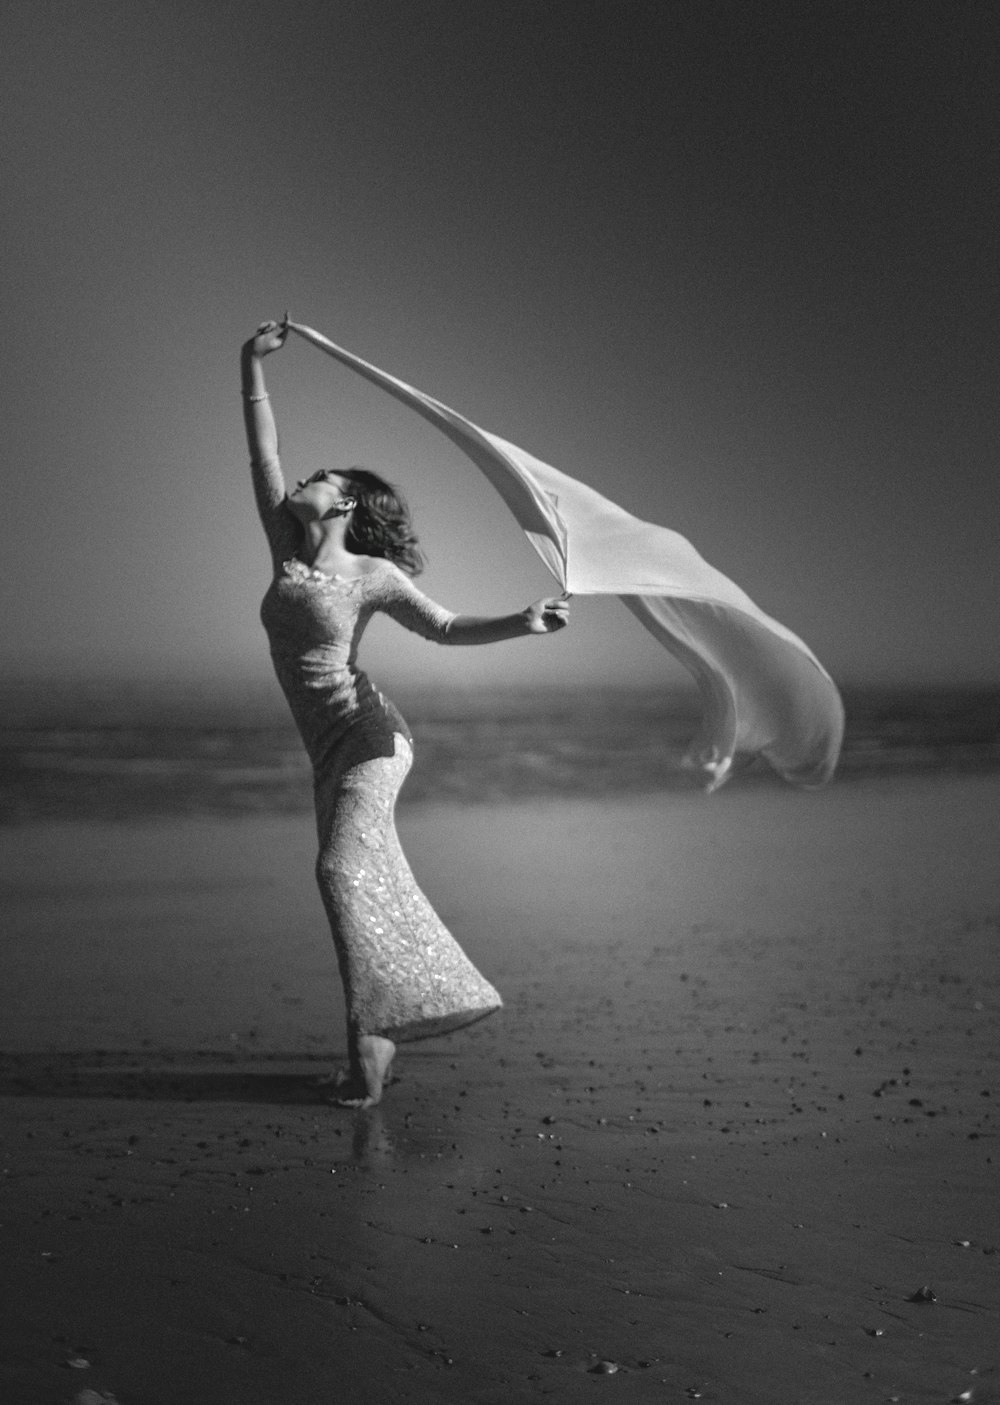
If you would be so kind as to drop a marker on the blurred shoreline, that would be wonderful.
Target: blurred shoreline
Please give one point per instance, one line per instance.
(129, 750)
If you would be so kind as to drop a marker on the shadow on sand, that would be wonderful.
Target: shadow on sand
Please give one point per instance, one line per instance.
(167, 1077)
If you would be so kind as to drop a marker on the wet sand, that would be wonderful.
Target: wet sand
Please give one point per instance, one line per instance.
(741, 1108)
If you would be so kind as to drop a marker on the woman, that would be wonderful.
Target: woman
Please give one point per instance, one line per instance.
(342, 548)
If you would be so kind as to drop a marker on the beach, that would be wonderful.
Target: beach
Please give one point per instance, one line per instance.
(732, 1138)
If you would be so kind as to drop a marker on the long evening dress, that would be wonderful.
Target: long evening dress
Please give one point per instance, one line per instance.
(405, 977)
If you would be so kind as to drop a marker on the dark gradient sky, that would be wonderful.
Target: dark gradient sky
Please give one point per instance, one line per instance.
(734, 265)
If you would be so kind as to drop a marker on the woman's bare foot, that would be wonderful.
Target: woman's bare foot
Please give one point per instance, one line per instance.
(370, 1062)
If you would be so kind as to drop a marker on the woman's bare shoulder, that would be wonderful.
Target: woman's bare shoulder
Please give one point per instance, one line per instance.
(365, 568)
(380, 567)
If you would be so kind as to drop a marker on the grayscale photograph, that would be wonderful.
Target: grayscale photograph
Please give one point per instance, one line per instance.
(500, 702)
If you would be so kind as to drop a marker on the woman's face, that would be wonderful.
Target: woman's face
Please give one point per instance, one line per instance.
(321, 494)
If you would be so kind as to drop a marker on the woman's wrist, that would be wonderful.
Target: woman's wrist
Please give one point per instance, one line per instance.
(252, 374)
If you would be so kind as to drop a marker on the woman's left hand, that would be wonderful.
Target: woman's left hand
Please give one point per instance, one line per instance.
(546, 616)
(269, 336)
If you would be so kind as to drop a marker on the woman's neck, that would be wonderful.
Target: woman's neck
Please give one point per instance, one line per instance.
(324, 544)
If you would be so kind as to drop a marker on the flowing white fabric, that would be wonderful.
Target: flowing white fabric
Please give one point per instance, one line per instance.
(764, 692)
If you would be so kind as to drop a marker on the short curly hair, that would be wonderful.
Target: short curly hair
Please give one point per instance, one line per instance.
(380, 523)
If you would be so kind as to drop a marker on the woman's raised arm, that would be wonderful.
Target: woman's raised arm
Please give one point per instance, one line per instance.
(262, 436)
(262, 432)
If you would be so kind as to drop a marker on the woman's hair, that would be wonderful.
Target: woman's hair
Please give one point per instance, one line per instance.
(380, 522)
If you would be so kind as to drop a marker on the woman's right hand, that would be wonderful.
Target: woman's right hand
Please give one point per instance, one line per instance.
(547, 616)
(269, 336)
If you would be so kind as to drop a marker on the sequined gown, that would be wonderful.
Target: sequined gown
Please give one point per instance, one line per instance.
(405, 976)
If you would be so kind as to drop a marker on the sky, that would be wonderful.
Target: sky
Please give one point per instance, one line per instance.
(733, 265)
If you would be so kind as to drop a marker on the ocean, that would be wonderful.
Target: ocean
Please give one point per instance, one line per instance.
(132, 752)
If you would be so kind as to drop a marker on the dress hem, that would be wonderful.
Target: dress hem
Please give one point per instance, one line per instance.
(433, 1028)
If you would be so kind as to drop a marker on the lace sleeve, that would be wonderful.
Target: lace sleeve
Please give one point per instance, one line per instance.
(398, 597)
(279, 525)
